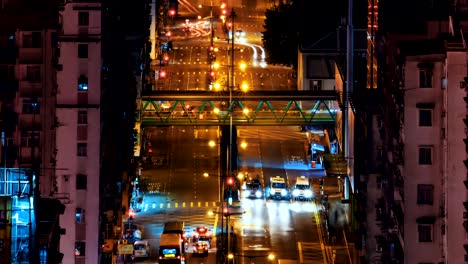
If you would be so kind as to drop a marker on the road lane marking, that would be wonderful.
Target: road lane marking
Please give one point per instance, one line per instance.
(320, 234)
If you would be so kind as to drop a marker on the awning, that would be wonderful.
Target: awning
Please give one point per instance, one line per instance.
(428, 220)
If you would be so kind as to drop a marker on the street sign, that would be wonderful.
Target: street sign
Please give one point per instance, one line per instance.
(125, 249)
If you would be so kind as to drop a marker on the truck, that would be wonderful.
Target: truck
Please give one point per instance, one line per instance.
(302, 190)
(171, 250)
(278, 189)
(176, 227)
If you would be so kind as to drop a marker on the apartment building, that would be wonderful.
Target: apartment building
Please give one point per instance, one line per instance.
(79, 128)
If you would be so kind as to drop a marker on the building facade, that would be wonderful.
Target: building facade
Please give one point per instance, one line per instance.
(79, 128)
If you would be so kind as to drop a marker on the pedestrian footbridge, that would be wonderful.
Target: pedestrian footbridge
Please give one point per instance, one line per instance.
(253, 108)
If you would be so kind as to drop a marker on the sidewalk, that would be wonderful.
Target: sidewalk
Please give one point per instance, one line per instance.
(337, 217)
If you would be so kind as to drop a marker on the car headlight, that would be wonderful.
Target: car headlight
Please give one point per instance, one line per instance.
(272, 191)
(246, 193)
(307, 193)
(258, 194)
(295, 193)
(284, 192)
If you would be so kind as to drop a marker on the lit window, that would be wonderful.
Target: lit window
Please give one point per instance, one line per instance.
(425, 155)
(425, 194)
(83, 83)
(82, 150)
(31, 107)
(425, 117)
(425, 233)
(80, 248)
(80, 216)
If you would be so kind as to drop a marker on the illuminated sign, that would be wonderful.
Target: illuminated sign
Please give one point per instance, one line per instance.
(169, 252)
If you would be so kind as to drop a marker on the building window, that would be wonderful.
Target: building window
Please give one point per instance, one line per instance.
(82, 133)
(33, 73)
(81, 181)
(30, 139)
(31, 107)
(80, 248)
(425, 194)
(82, 117)
(83, 51)
(425, 117)
(80, 216)
(425, 155)
(32, 40)
(316, 85)
(425, 78)
(83, 18)
(7, 72)
(83, 83)
(82, 150)
(425, 233)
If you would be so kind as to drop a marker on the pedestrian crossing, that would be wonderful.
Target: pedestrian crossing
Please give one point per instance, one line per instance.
(155, 205)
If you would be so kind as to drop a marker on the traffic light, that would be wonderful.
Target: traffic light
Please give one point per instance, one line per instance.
(230, 181)
(225, 211)
(172, 12)
(162, 74)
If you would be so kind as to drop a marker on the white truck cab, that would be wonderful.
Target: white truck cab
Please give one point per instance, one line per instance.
(278, 189)
(302, 190)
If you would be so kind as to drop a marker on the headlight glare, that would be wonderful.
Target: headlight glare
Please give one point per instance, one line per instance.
(284, 192)
(295, 193)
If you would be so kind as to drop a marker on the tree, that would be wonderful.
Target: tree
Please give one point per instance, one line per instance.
(280, 35)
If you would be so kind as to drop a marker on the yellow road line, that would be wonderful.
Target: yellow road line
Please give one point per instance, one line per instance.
(319, 230)
(215, 224)
(299, 248)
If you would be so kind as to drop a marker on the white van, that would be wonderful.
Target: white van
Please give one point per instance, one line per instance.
(141, 249)
(302, 190)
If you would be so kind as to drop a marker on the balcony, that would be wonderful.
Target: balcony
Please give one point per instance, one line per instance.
(30, 55)
(30, 121)
(30, 89)
(8, 55)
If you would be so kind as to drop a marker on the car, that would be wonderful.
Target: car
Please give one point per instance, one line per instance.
(202, 233)
(141, 249)
(200, 248)
(253, 189)
(240, 33)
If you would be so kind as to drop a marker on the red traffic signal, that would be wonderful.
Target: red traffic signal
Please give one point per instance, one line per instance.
(166, 58)
(172, 12)
(162, 74)
(230, 181)
(226, 211)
